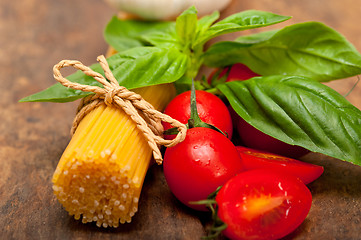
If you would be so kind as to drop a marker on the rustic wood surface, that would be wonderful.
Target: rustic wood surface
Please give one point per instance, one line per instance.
(35, 34)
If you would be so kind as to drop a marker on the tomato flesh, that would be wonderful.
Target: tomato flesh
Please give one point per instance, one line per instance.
(255, 159)
(210, 109)
(196, 167)
(262, 204)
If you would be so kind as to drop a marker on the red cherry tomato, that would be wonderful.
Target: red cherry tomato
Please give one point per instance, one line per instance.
(210, 109)
(254, 159)
(236, 72)
(196, 167)
(253, 138)
(263, 205)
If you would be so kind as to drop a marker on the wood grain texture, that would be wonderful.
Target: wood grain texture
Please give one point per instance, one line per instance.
(35, 35)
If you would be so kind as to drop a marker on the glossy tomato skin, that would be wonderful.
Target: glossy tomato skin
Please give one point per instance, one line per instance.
(253, 138)
(262, 205)
(237, 72)
(210, 109)
(196, 167)
(240, 71)
(256, 159)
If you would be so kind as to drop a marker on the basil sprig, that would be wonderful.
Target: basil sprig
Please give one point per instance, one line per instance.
(288, 103)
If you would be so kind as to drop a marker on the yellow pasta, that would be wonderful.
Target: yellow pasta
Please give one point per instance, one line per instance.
(101, 172)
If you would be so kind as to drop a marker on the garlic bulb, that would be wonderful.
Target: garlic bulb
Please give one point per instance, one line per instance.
(166, 9)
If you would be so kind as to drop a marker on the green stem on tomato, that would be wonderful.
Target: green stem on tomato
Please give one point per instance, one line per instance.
(195, 120)
(218, 225)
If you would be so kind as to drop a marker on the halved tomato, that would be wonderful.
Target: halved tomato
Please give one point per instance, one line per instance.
(255, 159)
(262, 204)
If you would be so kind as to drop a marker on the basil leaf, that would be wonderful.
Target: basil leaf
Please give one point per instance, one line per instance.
(186, 26)
(205, 22)
(256, 37)
(137, 67)
(241, 21)
(307, 49)
(125, 34)
(163, 39)
(299, 111)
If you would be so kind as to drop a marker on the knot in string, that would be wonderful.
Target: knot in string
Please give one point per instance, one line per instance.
(109, 96)
(147, 118)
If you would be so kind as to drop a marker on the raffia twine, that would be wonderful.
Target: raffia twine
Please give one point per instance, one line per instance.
(148, 119)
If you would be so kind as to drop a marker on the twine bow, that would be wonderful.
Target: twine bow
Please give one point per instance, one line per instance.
(148, 119)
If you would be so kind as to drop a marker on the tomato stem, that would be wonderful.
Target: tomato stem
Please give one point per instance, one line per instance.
(195, 120)
(218, 225)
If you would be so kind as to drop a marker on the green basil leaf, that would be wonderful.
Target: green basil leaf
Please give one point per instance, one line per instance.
(125, 34)
(163, 39)
(137, 67)
(205, 22)
(256, 37)
(240, 21)
(299, 111)
(226, 53)
(186, 26)
(61, 94)
(306, 49)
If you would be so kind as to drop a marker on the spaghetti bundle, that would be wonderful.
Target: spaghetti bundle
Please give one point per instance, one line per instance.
(100, 174)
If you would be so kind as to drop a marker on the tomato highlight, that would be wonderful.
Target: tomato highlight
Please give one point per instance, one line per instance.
(194, 168)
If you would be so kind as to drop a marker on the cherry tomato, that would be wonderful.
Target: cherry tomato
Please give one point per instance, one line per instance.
(262, 204)
(255, 159)
(253, 138)
(196, 167)
(210, 109)
(236, 72)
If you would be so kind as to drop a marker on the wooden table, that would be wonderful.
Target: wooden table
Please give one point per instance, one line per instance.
(35, 34)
